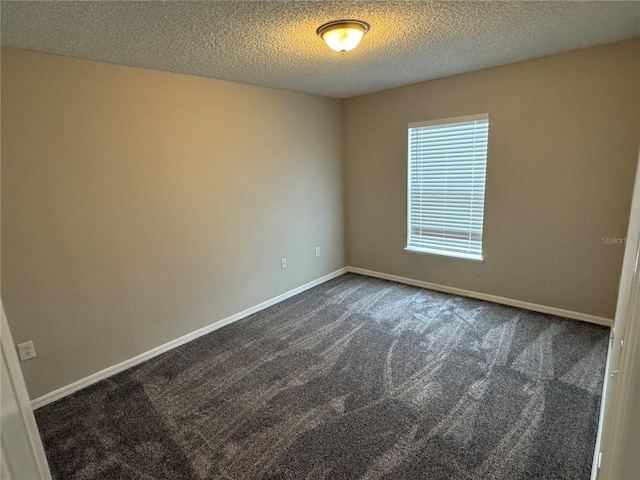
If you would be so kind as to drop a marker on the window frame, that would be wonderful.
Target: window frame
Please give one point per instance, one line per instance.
(437, 251)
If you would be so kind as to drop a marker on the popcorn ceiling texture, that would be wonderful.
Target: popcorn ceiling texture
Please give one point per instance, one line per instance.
(273, 43)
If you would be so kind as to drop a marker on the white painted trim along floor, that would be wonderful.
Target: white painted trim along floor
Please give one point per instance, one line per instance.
(607, 322)
(107, 372)
(154, 352)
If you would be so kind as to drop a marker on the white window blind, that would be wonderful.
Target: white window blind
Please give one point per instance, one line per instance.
(446, 185)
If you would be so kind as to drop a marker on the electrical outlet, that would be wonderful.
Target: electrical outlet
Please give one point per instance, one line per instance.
(283, 263)
(26, 350)
(317, 251)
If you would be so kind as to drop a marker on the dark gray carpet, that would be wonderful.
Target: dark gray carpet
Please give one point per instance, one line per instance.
(356, 378)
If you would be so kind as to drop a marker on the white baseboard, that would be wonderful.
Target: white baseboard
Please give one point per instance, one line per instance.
(485, 296)
(107, 372)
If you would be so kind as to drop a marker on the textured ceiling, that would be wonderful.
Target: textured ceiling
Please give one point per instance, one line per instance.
(273, 43)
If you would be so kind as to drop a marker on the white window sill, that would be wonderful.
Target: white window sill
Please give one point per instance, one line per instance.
(442, 253)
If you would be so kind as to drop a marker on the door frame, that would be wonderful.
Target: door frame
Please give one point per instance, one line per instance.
(615, 432)
(22, 455)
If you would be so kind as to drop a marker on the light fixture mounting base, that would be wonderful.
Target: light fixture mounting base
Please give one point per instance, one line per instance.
(359, 24)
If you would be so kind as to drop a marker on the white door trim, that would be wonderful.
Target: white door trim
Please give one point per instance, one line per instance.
(22, 455)
(619, 417)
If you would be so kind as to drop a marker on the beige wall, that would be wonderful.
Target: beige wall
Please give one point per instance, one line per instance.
(138, 206)
(563, 147)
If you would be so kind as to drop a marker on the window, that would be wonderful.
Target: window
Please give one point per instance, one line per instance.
(446, 183)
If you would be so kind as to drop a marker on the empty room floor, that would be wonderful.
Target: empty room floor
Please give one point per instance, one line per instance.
(355, 378)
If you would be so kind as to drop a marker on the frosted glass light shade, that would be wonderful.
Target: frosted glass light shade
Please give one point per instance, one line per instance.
(343, 35)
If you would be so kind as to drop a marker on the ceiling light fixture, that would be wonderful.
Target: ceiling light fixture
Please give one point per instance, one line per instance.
(343, 35)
